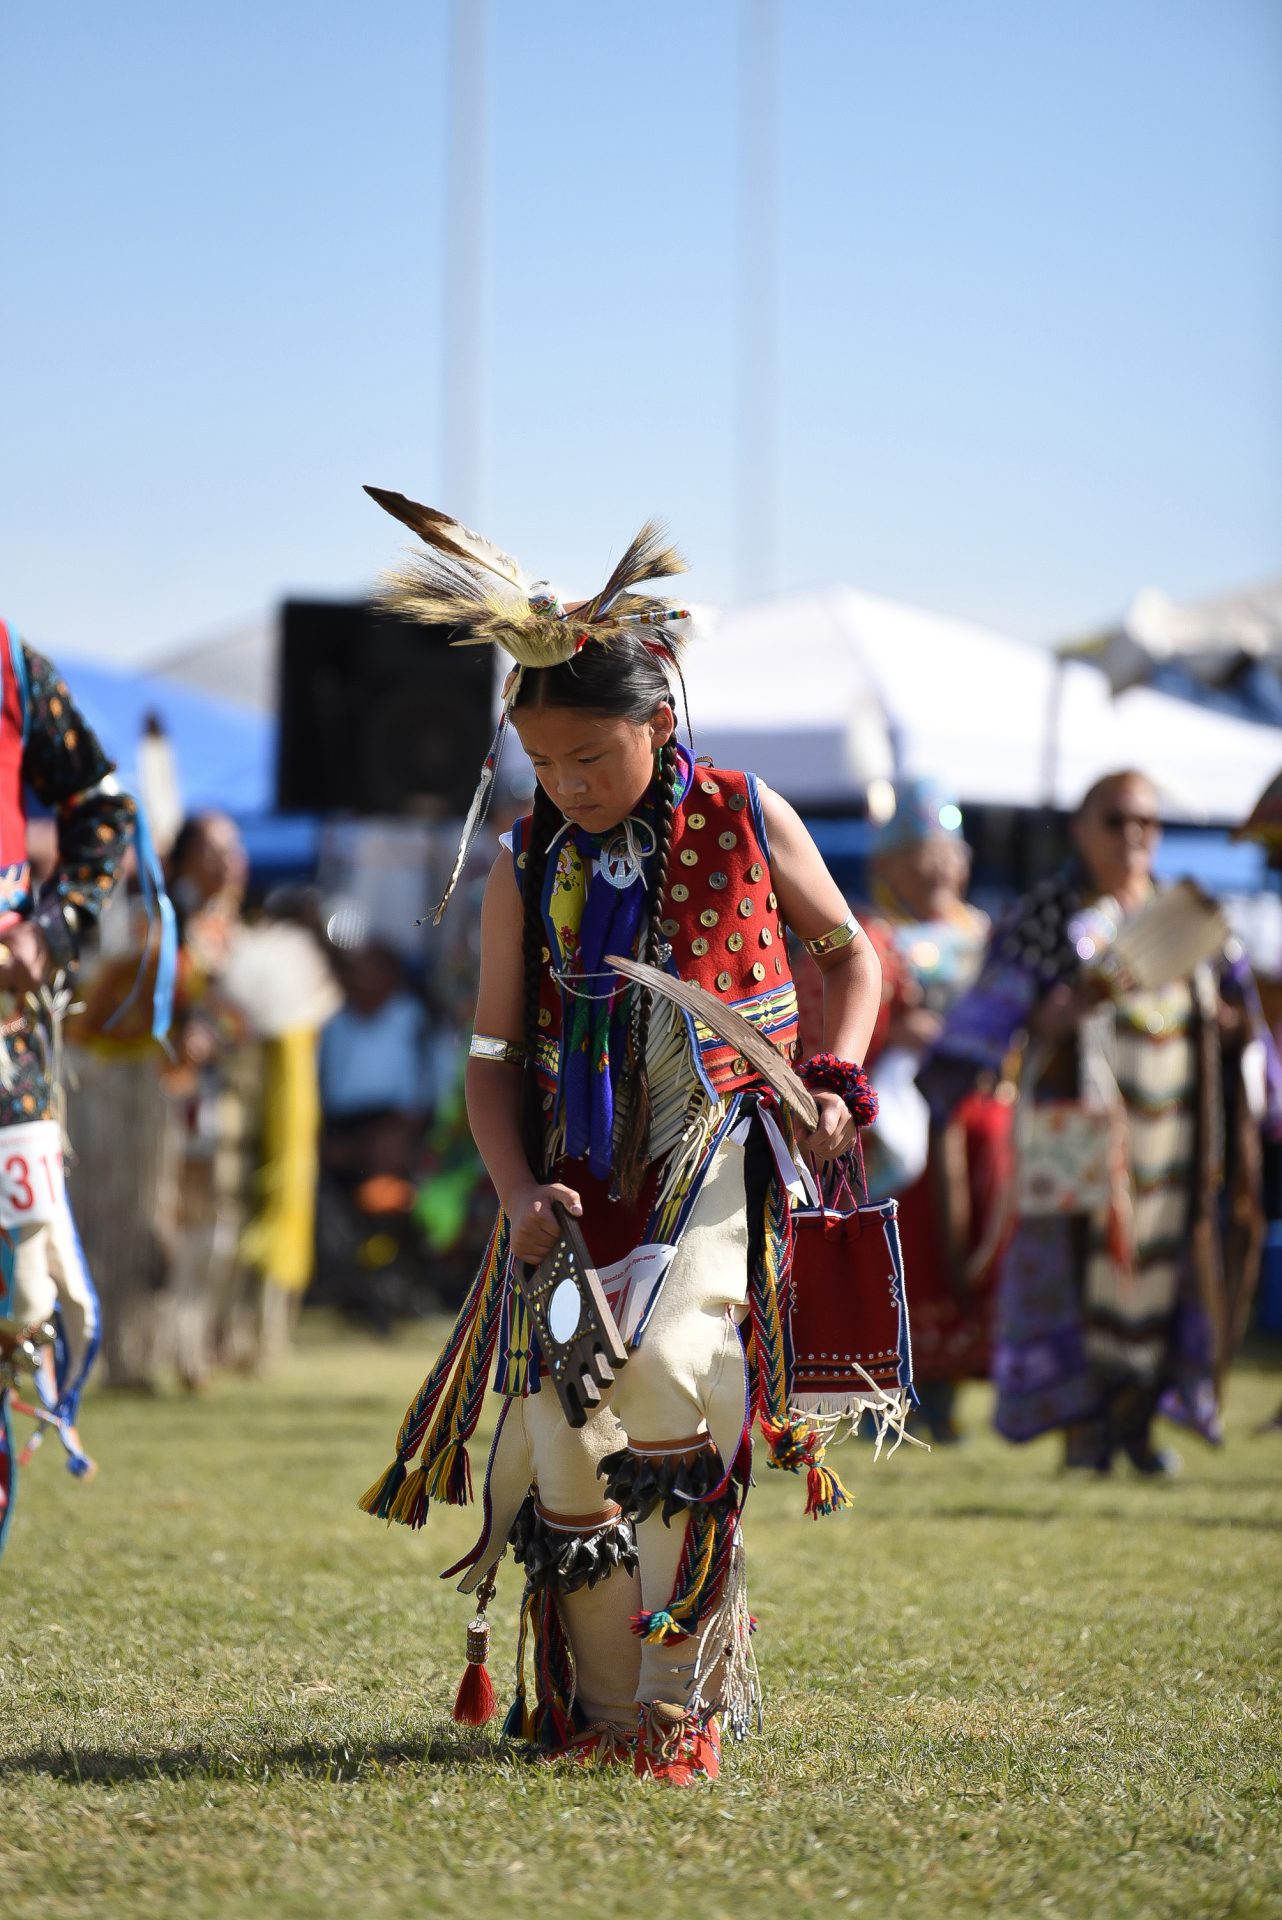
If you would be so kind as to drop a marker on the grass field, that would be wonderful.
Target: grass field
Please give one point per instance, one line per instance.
(227, 1691)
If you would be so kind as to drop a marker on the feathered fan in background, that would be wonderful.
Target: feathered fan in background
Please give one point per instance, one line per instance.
(465, 582)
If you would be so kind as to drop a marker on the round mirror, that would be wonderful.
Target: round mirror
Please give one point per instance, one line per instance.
(563, 1312)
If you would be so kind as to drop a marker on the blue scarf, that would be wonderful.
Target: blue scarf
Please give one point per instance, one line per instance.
(596, 1002)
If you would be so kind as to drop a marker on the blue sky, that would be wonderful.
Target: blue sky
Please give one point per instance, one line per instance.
(1030, 299)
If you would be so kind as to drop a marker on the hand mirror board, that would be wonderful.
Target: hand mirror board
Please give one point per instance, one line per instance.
(580, 1341)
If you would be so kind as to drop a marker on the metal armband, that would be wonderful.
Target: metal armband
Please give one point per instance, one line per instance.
(834, 941)
(484, 1046)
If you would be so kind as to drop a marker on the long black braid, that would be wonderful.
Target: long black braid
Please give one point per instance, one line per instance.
(634, 1142)
(544, 821)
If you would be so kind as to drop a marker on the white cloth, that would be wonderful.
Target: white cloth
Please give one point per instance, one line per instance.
(685, 1380)
(49, 1272)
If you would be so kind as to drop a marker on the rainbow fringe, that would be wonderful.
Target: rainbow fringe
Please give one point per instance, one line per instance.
(705, 1556)
(795, 1444)
(442, 1416)
(769, 1286)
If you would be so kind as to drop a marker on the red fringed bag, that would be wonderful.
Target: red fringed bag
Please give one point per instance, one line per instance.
(849, 1317)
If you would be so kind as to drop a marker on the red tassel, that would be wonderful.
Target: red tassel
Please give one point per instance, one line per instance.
(474, 1703)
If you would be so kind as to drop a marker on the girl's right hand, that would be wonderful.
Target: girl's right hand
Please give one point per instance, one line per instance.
(534, 1225)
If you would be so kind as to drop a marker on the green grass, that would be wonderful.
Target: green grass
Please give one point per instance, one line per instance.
(227, 1691)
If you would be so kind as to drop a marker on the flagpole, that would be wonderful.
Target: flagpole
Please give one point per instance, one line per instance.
(465, 280)
(757, 402)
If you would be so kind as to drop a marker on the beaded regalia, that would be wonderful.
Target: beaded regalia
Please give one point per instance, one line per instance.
(635, 1633)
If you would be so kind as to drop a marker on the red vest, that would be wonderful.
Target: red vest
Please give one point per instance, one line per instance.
(15, 874)
(721, 920)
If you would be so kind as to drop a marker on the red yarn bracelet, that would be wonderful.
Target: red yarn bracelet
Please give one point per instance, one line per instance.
(825, 1073)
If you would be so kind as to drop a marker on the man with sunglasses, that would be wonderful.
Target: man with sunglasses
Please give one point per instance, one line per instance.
(1116, 833)
(1108, 1314)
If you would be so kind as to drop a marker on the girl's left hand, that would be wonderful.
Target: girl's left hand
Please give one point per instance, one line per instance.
(836, 1131)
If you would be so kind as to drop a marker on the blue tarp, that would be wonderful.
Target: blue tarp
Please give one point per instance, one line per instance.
(1252, 692)
(1219, 864)
(226, 754)
(281, 846)
(226, 757)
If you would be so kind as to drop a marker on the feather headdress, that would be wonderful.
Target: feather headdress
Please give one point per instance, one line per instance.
(465, 582)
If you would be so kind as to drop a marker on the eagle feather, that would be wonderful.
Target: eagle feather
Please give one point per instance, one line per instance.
(437, 529)
(648, 557)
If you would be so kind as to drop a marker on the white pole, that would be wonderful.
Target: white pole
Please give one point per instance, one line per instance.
(1051, 734)
(757, 421)
(466, 224)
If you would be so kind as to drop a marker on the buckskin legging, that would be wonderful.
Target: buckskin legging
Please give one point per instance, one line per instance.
(49, 1272)
(683, 1385)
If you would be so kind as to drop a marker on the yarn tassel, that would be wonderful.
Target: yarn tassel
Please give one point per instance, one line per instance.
(793, 1443)
(410, 1504)
(444, 1412)
(449, 1477)
(798, 1444)
(519, 1723)
(824, 1491)
(474, 1704)
(379, 1498)
(657, 1628)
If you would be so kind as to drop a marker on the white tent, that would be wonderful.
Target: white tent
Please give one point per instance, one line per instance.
(817, 691)
(1210, 639)
(237, 663)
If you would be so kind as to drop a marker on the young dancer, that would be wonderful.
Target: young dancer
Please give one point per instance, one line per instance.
(670, 1150)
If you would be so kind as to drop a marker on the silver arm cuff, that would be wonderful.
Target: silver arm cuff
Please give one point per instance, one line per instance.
(839, 937)
(484, 1046)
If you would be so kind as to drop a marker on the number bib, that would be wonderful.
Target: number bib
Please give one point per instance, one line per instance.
(31, 1185)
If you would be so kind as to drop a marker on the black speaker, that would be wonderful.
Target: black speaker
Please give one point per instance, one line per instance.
(378, 715)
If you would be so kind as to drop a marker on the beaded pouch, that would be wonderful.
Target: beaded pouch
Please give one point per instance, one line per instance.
(1067, 1157)
(849, 1316)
